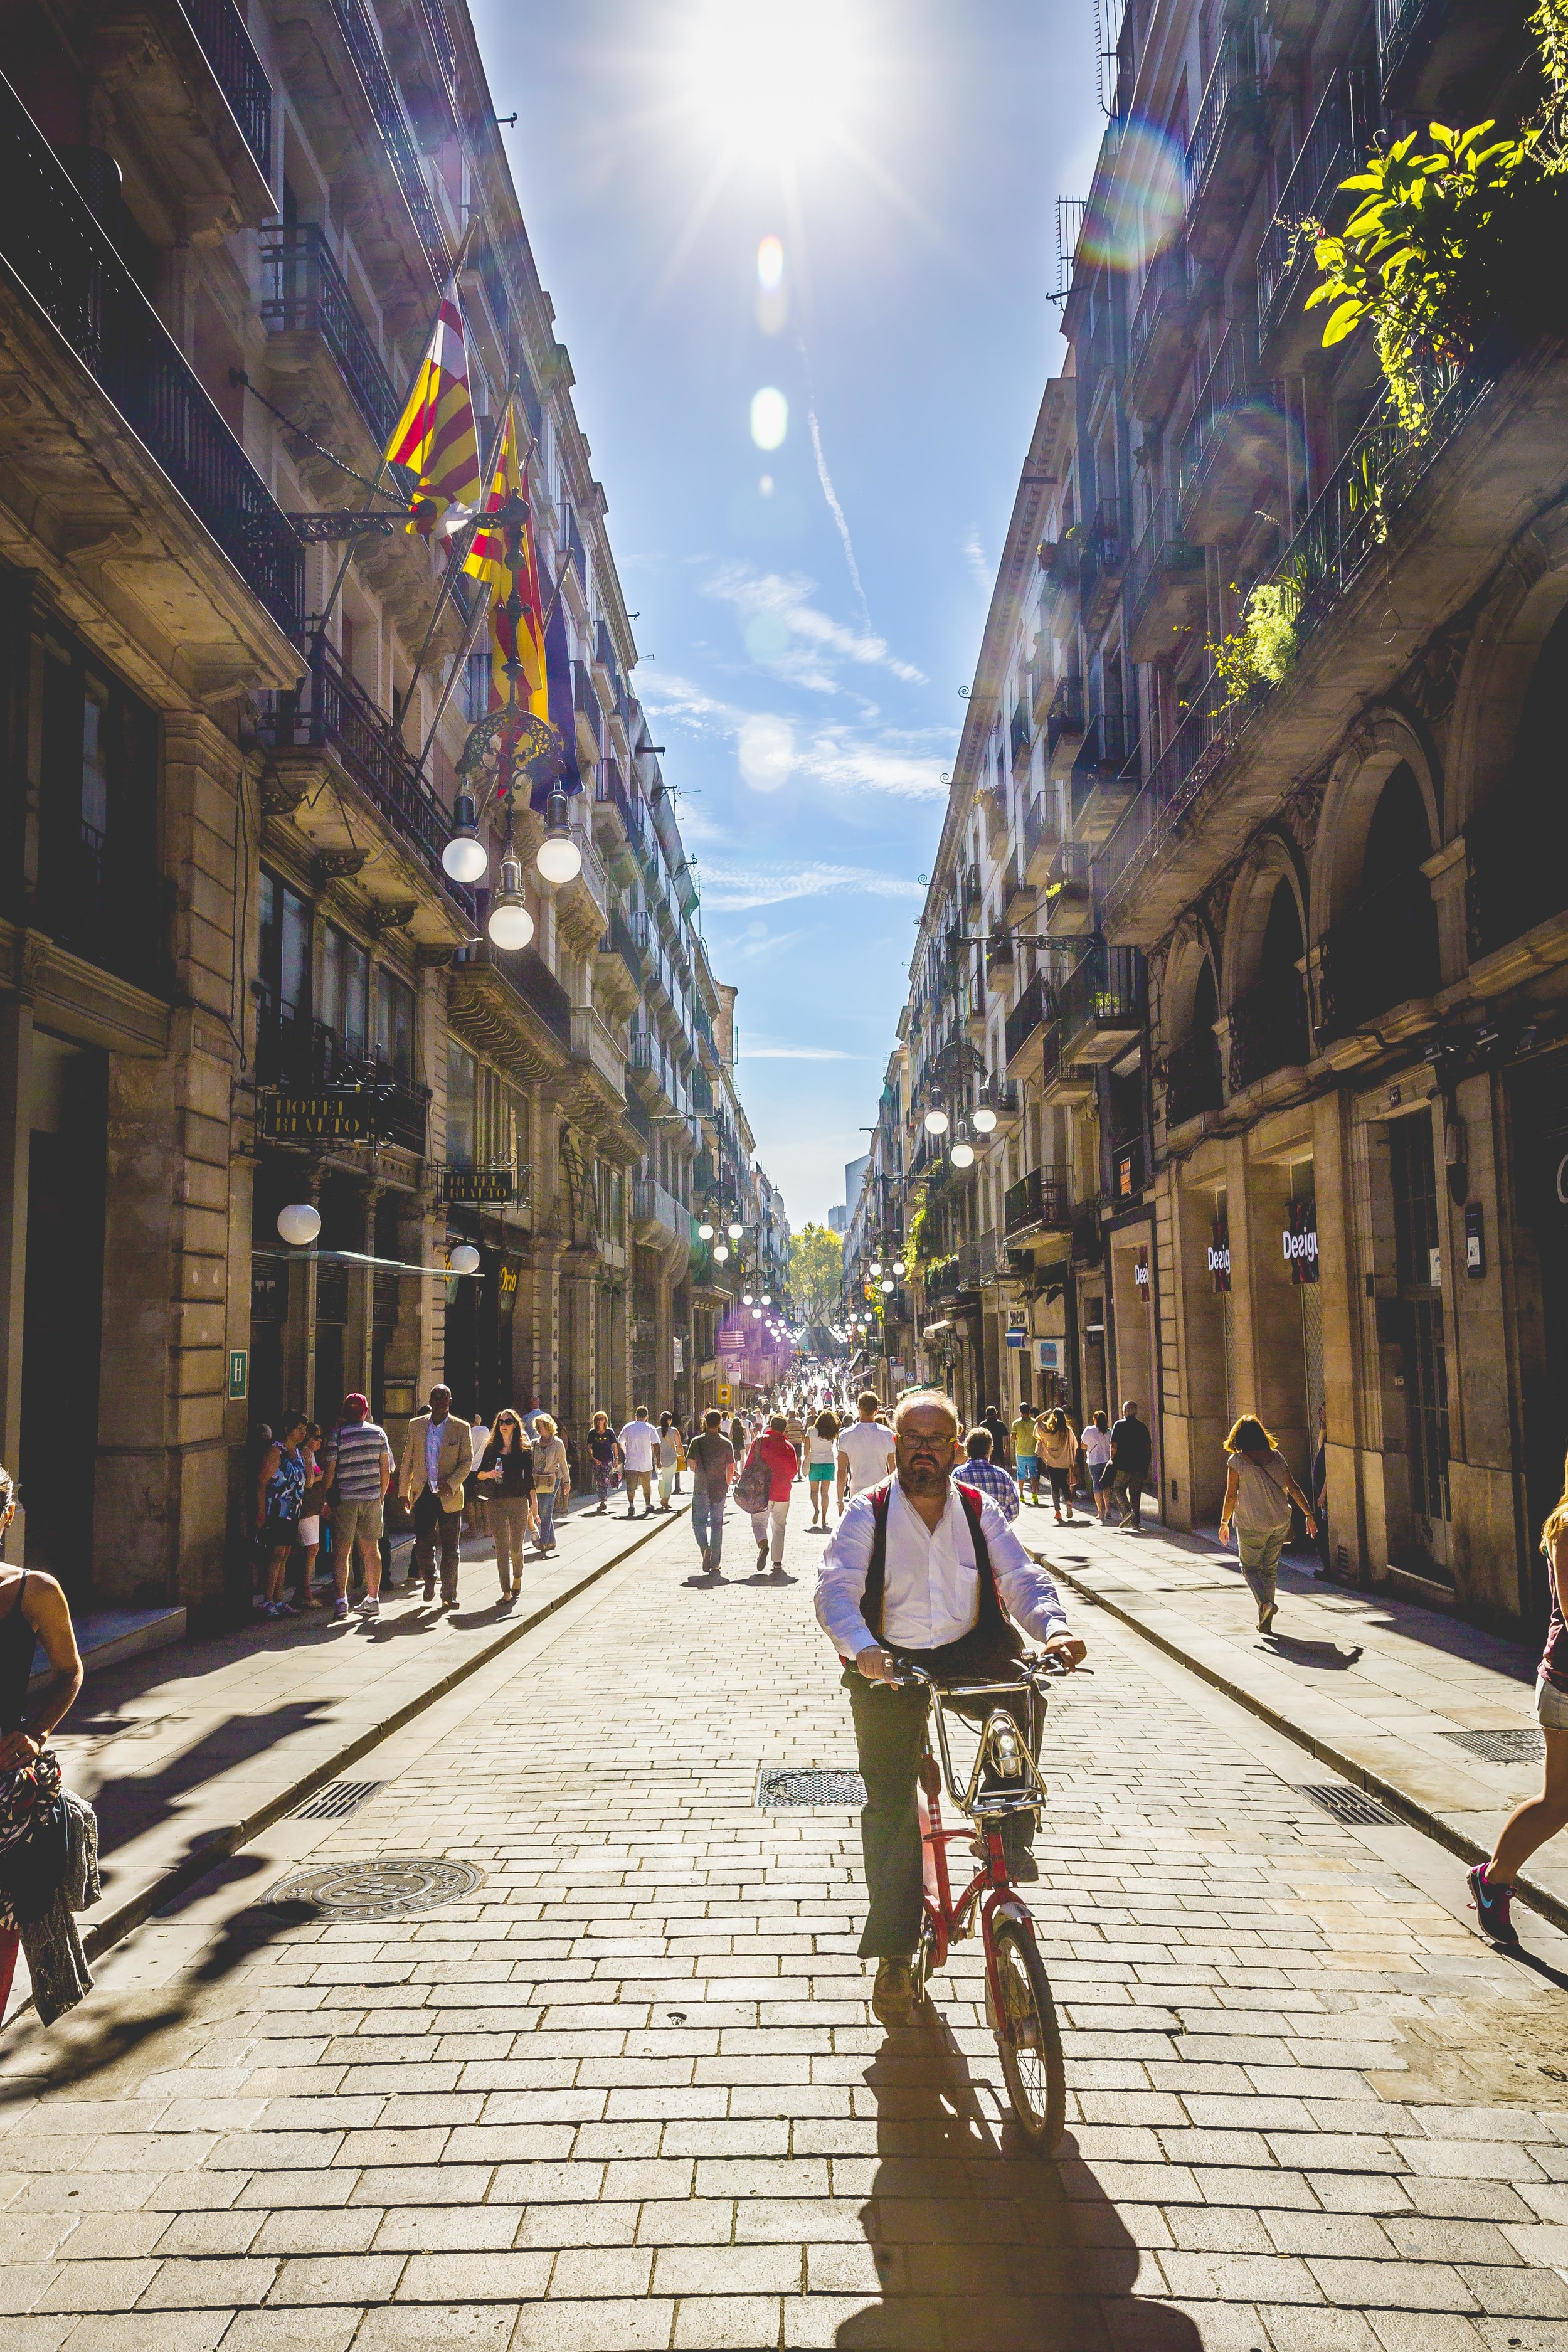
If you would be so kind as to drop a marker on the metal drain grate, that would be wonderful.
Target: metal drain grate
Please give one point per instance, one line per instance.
(1524, 1745)
(1348, 1804)
(790, 1784)
(338, 1798)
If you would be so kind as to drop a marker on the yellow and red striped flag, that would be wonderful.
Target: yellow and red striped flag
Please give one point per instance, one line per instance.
(517, 608)
(436, 437)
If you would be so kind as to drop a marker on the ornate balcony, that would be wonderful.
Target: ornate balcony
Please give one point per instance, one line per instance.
(1069, 889)
(1226, 150)
(1104, 560)
(72, 271)
(306, 297)
(1062, 1082)
(369, 62)
(1024, 1020)
(297, 1055)
(1233, 443)
(1104, 776)
(1330, 151)
(1268, 1029)
(1161, 335)
(1165, 585)
(1064, 727)
(1041, 842)
(1101, 1008)
(1040, 1202)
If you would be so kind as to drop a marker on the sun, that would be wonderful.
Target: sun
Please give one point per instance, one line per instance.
(772, 78)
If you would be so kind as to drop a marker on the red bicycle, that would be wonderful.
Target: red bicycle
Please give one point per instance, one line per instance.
(1005, 1780)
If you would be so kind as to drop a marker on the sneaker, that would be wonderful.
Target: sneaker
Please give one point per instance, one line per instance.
(286, 1608)
(893, 1996)
(1490, 1905)
(369, 1606)
(340, 1609)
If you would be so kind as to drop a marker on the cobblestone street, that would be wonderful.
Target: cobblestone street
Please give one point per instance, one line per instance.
(628, 2092)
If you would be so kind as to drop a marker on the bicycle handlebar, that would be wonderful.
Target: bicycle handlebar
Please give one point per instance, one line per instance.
(1046, 1666)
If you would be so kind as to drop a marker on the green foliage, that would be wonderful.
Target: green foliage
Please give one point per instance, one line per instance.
(1259, 653)
(1450, 232)
(816, 1272)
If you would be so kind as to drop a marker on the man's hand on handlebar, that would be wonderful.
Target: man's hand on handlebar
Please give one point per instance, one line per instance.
(876, 1665)
(1068, 1648)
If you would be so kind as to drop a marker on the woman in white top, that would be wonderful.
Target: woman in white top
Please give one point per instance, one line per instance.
(821, 1460)
(1096, 1454)
(1259, 1493)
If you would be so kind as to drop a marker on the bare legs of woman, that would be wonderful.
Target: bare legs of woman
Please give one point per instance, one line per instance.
(1528, 1827)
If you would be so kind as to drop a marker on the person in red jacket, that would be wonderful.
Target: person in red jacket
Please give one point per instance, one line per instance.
(784, 1469)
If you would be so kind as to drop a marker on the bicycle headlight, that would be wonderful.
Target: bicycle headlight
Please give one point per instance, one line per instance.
(1006, 1752)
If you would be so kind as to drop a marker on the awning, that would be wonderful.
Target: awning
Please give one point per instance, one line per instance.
(935, 1330)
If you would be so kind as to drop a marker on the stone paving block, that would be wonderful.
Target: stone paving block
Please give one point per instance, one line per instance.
(733, 2323)
(97, 2287)
(454, 2327)
(224, 2232)
(474, 2276)
(177, 2331)
(644, 2326)
(1240, 2278)
(320, 2329)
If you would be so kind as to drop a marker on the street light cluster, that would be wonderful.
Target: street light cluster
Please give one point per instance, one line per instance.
(558, 860)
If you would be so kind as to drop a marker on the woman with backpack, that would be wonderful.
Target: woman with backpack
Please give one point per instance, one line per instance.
(763, 1489)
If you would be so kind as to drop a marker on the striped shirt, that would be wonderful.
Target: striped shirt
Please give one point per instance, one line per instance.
(992, 1480)
(357, 1448)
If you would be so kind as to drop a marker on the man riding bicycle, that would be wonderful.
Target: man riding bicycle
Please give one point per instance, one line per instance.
(923, 1572)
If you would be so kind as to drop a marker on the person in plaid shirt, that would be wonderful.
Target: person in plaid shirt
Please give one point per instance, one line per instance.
(988, 1478)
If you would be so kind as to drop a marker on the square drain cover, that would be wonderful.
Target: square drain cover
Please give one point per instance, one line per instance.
(1348, 1804)
(793, 1784)
(338, 1798)
(1524, 1745)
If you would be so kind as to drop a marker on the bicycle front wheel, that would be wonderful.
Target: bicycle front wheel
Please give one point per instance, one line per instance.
(1028, 2040)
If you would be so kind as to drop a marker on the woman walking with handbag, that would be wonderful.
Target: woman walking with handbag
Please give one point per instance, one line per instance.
(1259, 1493)
(604, 1451)
(1056, 1441)
(670, 1454)
(551, 1473)
(505, 1478)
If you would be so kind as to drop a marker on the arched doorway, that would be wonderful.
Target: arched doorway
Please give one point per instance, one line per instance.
(1193, 1082)
(1269, 1020)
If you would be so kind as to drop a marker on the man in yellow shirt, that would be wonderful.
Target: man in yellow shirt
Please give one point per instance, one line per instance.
(1026, 1461)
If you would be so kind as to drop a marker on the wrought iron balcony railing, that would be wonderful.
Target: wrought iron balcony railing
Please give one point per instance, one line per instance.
(1039, 1198)
(386, 112)
(299, 1055)
(1162, 555)
(1066, 712)
(1325, 156)
(1105, 551)
(307, 292)
(238, 72)
(1229, 383)
(1268, 1029)
(1104, 991)
(1232, 102)
(1024, 1018)
(1161, 304)
(71, 271)
(330, 711)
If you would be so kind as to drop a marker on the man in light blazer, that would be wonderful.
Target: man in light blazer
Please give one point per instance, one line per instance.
(437, 1454)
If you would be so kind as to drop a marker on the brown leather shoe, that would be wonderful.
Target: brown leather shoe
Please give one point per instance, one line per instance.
(893, 1996)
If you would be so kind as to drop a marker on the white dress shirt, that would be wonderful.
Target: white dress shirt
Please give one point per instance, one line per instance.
(931, 1593)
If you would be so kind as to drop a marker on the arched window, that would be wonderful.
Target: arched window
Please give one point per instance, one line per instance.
(1268, 1021)
(1192, 1071)
(1385, 949)
(1510, 892)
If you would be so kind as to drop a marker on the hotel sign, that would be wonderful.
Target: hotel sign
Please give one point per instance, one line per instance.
(324, 1115)
(480, 1184)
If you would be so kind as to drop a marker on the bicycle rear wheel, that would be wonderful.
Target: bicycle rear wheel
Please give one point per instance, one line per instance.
(1028, 2040)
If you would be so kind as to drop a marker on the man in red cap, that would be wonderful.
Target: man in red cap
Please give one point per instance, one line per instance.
(358, 1461)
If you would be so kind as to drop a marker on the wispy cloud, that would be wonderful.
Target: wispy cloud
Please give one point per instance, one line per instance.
(846, 758)
(785, 629)
(729, 890)
(795, 1054)
(980, 570)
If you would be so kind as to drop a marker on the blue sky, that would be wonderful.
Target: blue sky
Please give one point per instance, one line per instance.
(808, 611)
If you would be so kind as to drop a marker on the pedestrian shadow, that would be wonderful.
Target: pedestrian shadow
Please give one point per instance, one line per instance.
(700, 1583)
(1327, 1654)
(128, 1803)
(981, 2245)
(773, 1580)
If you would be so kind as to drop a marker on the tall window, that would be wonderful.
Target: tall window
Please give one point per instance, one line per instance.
(98, 861)
(345, 991)
(462, 1082)
(285, 949)
(394, 1025)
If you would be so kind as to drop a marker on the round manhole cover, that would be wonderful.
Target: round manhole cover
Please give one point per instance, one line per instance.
(382, 1889)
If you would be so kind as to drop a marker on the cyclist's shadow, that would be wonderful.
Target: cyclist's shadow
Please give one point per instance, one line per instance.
(980, 2246)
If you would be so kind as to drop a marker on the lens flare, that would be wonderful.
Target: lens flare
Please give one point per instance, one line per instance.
(770, 264)
(1139, 209)
(767, 752)
(769, 418)
(771, 80)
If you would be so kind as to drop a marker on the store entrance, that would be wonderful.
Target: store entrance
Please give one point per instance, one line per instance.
(63, 1308)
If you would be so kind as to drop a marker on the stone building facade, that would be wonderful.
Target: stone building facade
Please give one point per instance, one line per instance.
(236, 977)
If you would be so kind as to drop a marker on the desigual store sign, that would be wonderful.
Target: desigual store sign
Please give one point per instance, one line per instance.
(1301, 1241)
(1219, 1254)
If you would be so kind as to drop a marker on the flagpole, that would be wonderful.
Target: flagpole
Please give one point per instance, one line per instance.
(376, 489)
(462, 652)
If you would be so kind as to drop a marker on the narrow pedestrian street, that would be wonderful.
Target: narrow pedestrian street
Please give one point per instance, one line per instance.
(626, 2091)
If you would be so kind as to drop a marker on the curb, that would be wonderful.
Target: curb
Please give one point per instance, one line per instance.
(1410, 1809)
(218, 1844)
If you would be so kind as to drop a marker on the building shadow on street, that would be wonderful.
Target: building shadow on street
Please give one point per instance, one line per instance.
(980, 2244)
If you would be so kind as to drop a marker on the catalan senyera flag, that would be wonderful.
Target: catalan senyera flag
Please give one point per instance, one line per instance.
(436, 437)
(517, 607)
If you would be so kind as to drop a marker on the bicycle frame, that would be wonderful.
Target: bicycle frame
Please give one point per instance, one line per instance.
(991, 1889)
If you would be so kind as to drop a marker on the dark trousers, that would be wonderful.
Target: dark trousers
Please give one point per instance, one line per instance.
(1128, 1489)
(890, 1733)
(434, 1526)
